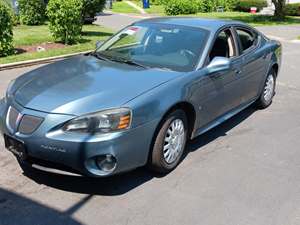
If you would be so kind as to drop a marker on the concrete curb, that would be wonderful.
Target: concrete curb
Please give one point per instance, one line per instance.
(146, 16)
(37, 61)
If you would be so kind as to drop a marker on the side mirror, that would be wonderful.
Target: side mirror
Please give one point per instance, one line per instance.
(98, 44)
(219, 64)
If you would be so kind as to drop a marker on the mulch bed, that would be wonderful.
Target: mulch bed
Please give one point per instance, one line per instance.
(38, 47)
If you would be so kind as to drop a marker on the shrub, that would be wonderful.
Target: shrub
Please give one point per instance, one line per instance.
(212, 5)
(15, 17)
(9, 3)
(177, 7)
(32, 12)
(65, 17)
(6, 30)
(158, 2)
(292, 9)
(91, 7)
(207, 5)
(245, 5)
(228, 5)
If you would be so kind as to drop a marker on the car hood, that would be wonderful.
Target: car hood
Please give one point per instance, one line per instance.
(84, 84)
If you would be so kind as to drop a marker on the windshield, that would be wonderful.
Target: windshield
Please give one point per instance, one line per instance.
(163, 46)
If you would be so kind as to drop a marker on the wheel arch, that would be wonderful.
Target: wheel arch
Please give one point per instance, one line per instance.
(275, 67)
(190, 112)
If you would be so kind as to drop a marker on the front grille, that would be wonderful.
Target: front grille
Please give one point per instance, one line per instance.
(29, 124)
(12, 118)
(25, 124)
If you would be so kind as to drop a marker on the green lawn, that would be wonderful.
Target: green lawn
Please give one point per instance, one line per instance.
(154, 9)
(30, 35)
(123, 7)
(254, 20)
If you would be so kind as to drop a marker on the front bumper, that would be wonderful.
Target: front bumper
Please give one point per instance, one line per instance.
(76, 151)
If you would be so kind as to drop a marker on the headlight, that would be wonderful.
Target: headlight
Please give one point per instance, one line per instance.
(101, 122)
(9, 88)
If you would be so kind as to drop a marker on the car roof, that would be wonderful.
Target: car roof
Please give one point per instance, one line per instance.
(205, 23)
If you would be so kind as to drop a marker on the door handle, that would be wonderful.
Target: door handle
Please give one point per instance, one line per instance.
(265, 56)
(237, 71)
(216, 75)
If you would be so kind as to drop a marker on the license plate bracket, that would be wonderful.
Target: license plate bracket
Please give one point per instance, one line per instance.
(15, 146)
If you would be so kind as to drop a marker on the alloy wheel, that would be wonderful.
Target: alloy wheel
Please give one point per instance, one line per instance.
(269, 88)
(174, 141)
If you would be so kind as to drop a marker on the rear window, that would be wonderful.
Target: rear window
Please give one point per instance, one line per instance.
(247, 38)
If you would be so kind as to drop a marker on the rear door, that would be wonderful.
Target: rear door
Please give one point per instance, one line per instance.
(254, 64)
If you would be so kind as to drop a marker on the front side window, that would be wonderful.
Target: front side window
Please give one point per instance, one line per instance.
(247, 39)
(223, 46)
(163, 46)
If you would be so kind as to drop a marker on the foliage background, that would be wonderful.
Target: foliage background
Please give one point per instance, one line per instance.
(32, 12)
(6, 30)
(65, 20)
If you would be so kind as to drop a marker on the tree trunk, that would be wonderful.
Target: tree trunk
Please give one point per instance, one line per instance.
(279, 8)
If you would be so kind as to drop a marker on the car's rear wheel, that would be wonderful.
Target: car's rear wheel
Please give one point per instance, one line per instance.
(169, 143)
(266, 97)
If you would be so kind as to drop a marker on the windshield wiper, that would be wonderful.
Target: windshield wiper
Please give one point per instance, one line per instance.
(117, 59)
(99, 56)
(129, 62)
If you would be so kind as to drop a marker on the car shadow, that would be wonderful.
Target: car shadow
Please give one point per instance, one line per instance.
(221, 130)
(96, 33)
(16, 209)
(19, 51)
(123, 183)
(108, 186)
(104, 14)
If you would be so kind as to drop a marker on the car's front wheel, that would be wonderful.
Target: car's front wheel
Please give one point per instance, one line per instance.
(170, 142)
(268, 92)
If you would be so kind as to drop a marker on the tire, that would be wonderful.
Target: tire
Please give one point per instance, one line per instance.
(163, 158)
(266, 97)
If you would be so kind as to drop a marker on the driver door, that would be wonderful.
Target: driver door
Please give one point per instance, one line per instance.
(221, 88)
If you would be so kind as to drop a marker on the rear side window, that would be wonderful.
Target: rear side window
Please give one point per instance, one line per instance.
(247, 39)
(223, 46)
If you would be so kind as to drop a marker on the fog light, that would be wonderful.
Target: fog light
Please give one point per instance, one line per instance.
(106, 163)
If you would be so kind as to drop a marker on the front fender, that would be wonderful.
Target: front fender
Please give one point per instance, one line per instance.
(154, 104)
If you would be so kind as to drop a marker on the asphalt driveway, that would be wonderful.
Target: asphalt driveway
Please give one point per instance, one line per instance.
(244, 172)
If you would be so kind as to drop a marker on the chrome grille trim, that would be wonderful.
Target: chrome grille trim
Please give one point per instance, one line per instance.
(24, 124)
(13, 118)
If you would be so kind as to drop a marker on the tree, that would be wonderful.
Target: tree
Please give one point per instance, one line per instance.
(65, 20)
(279, 8)
(6, 30)
(32, 12)
(91, 7)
